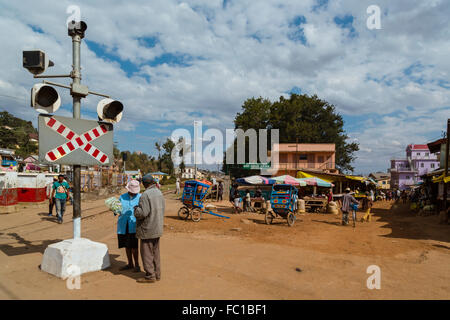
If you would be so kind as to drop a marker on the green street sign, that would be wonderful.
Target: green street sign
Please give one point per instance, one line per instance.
(256, 166)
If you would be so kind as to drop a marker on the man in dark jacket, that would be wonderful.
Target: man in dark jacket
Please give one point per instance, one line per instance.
(149, 228)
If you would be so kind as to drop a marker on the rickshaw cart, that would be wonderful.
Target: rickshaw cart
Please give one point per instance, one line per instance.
(194, 195)
(283, 202)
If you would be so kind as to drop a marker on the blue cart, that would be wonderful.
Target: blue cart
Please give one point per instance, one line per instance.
(194, 194)
(283, 200)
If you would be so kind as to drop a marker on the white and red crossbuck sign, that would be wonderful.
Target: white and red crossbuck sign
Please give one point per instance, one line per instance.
(76, 141)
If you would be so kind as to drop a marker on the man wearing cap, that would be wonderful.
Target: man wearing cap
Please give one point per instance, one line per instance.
(347, 201)
(126, 225)
(149, 228)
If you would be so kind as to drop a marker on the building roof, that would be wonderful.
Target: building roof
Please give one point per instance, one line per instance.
(435, 146)
(133, 172)
(306, 147)
(5, 151)
(380, 175)
(159, 173)
(418, 147)
(33, 136)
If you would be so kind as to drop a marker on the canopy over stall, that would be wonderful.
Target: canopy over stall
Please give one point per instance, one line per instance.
(287, 179)
(314, 181)
(340, 180)
(441, 178)
(254, 180)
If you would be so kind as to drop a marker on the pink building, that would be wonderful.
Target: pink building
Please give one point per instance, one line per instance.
(406, 172)
(313, 156)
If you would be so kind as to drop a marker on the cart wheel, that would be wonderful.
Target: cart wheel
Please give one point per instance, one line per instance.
(269, 217)
(291, 219)
(183, 213)
(196, 215)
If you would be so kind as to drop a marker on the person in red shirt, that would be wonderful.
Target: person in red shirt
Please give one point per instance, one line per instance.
(330, 195)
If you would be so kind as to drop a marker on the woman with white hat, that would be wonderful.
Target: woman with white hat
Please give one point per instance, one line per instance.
(126, 225)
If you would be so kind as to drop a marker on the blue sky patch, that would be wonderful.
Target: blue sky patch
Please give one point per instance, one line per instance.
(36, 29)
(102, 52)
(320, 4)
(173, 59)
(225, 3)
(295, 90)
(413, 68)
(414, 72)
(346, 22)
(297, 33)
(148, 42)
(444, 84)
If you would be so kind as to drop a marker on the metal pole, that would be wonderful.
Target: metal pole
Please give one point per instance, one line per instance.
(76, 76)
(195, 149)
(446, 167)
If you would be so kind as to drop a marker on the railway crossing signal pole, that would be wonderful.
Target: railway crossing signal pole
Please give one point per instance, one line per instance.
(78, 255)
(77, 34)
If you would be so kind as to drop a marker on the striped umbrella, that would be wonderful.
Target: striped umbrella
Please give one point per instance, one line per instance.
(254, 180)
(287, 179)
(314, 181)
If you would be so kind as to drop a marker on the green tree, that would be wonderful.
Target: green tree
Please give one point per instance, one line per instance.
(302, 118)
(16, 133)
(166, 158)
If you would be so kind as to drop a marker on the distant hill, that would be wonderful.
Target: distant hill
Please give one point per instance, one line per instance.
(18, 134)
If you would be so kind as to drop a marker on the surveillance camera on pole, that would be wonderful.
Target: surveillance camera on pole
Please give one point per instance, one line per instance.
(36, 61)
(44, 98)
(110, 110)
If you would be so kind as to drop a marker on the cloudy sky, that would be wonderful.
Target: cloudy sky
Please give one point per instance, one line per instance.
(173, 62)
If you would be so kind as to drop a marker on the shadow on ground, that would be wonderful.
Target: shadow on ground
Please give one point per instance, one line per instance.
(117, 264)
(405, 224)
(24, 246)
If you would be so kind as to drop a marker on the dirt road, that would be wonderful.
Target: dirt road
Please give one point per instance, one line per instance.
(240, 258)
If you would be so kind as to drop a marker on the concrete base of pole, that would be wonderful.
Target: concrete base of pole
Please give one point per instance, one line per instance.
(75, 257)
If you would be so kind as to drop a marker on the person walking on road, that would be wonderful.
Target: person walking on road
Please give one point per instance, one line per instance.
(60, 194)
(367, 205)
(347, 201)
(178, 186)
(126, 225)
(149, 215)
(49, 192)
(220, 191)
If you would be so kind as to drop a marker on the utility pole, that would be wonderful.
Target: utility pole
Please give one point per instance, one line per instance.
(196, 123)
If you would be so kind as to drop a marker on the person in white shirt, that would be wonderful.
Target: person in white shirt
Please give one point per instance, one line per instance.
(178, 186)
(248, 201)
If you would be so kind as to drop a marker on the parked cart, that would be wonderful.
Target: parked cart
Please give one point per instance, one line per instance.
(283, 201)
(194, 195)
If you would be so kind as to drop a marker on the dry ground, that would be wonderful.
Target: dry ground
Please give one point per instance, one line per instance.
(211, 260)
